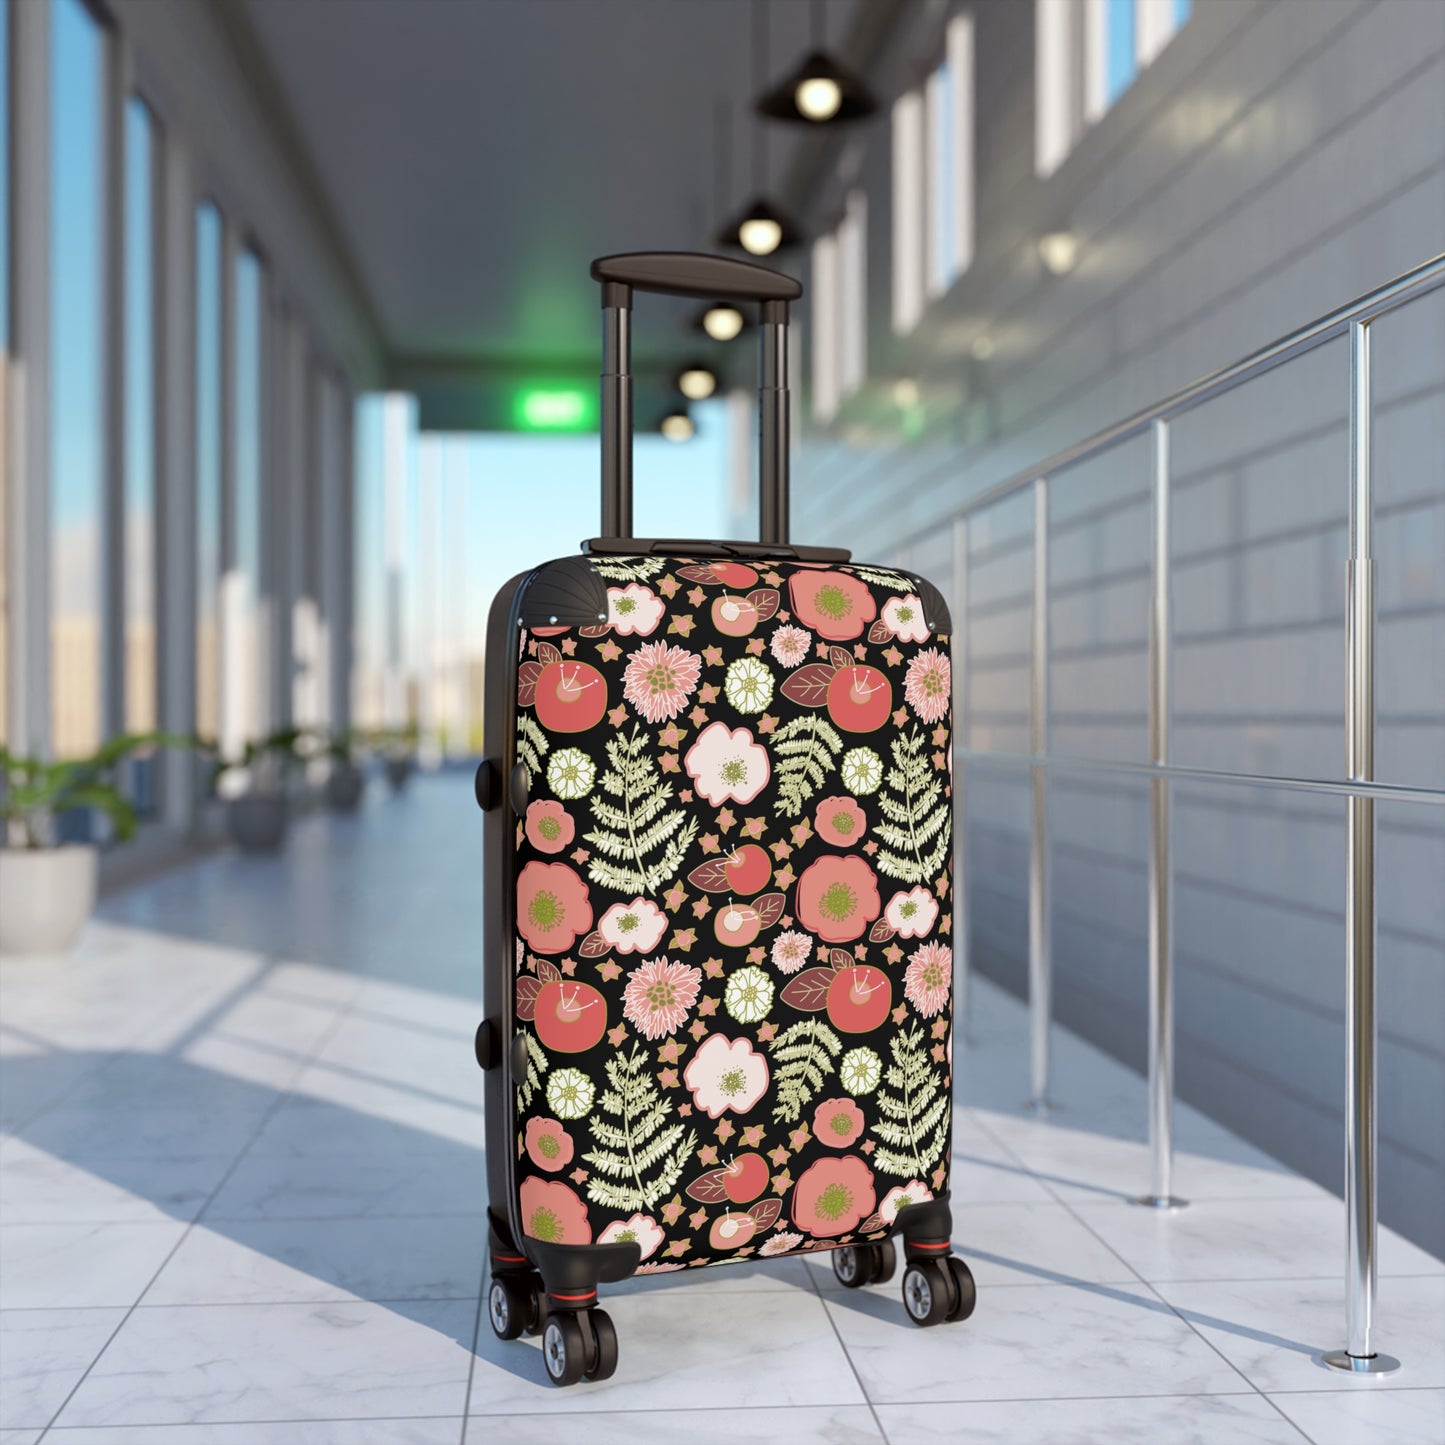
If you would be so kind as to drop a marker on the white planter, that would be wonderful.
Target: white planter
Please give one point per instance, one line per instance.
(46, 894)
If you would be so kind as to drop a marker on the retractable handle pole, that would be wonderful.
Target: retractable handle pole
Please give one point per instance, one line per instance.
(716, 278)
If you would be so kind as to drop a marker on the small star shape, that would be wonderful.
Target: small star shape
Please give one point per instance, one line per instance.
(616, 1036)
(940, 884)
(868, 1146)
(568, 646)
(668, 762)
(893, 953)
(707, 1007)
(679, 1247)
(725, 820)
(800, 1136)
(713, 967)
(707, 1154)
(671, 735)
(753, 1136)
(726, 1130)
(684, 1110)
(900, 1014)
(609, 970)
(697, 1218)
(859, 651)
(707, 692)
(783, 878)
(667, 1078)
(785, 616)
(684, 938)
(532, 647)
(822, 953)
(945, 924)
(698, 716)
(617, 716)
(860, 951)
(870, 847)
(940, 761)
(772, 579)
(782, 1182)
(674, 896)
(822, 650)
(685, 796)
(754, 827)
(609, 650)
(670, 1052)
(940, 736)
(698, 1028)
(755, 955)
(712, 656)
(672, 1211)
(940, 1176)
(781, 849)
(938, 1053)
(681, 625)
(900, 717)
(668, 586)
(580, 855)
(767, 723)
(702, 907)
(801, 833)
(568, 966)
(756, 647)
(708, 843)
(579, 1176)
(779, 1156)
(892, 657)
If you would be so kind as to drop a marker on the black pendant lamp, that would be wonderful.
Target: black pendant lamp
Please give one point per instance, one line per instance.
(821, 90)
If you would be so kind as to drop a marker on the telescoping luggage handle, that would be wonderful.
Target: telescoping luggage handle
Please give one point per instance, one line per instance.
(712, 278)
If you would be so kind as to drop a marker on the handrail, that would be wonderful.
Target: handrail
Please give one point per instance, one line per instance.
(1359, 787)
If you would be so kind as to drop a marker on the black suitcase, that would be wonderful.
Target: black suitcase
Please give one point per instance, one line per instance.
(718, 870)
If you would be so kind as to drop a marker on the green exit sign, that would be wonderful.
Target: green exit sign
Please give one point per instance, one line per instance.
(554, 408)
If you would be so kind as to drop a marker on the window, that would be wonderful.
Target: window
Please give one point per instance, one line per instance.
(4, 358)
(840, 309)
(933, 180)
(77, 414)
(208, 468)
(242, 683)
(1088, 53)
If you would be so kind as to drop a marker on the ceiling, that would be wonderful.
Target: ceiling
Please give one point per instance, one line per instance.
(475, 155)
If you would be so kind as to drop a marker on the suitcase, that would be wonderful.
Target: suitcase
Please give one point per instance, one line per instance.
(717, 873)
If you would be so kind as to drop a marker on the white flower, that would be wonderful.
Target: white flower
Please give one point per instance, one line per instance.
(860, 1071)
(634, 927)
(914, 1192)
(569, 1093)
(726, 763)
(903, 617)
(912, 914)
(749, 995)
(862, 771)
(641, 1229)
(634, 609)
(571, 773)
(790, 645)
(749, 684)
(726, 1074)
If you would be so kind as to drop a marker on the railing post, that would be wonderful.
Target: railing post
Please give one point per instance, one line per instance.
(1041, 972)
(1359, 1355)
(1161, 875)
(960, 811)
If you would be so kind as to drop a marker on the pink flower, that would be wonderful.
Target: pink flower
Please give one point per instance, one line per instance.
(914, 1192)
(659, 1267)
(928, 684)
(658, 996)
(834, 604)
(903, 617)
(837, 898)
(782, 1243)
(790, 645)
(929, 978)
(634, 609)
(912, 914)
(791, 951)
(726, 1074)
(549, 827)
(553, 906)
(549, 1145)
(553, 1211)
(726, 764)
(659, 679)
(840, 821)
(833, 1196)
(635, 927)
(837, 1123)
(641, 1229)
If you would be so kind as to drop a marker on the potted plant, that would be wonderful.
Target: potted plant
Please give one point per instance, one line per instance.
(47, 888)
(345, 783)
(255, 787)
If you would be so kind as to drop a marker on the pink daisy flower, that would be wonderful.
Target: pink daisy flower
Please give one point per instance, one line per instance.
(929, 978)
(929, 684)
(791, 951)
(659, 680)
(790, 645)
(658, 996)
(781, 1244)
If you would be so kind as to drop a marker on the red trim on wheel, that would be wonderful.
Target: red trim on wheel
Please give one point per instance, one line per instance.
(914, 1244)
(509, 1259)
(591, 1294)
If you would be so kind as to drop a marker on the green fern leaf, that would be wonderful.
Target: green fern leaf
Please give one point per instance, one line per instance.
(916, 829)
(532, 744)
(918, 1111)
(806, 750)
(643, 1150)
(804, 1055)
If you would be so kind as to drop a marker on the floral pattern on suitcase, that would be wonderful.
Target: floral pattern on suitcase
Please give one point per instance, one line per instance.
(733, 910)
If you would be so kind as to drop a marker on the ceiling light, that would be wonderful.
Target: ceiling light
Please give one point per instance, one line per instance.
(760, 230)
(1058, 251)
(722, 322)
(820, 91)
(818, 98)
(678, 427)
(697, 382)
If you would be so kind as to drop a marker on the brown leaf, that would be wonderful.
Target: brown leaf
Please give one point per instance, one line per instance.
(699, 572)
(548, 971)
(879, 633)
(596, 629)
(527, 676)
(594, 945)
(808, 686)
(840, 657)
(708, 1188)
(527, 990)
(770, 907)
(711, 877)
(880, 932)
(766, 601)
(546, 653)
(765, 1212)
(841, 958)
(808, 992)
(872, 1224)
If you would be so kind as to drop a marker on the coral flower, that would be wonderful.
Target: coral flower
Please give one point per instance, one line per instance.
(928, 684)
(634, 609)
(642, 1230)
(837, 898)
(727, 765)
(553, 1211)
(549, 1145)
(549, 826)
(658, 996)
(635, 927)
(833, 1196)
(659, 679)
(903, 617)
(837, 1123)
(833, 604)
(841, 822)
(929, 978)
(726, 1074)
(912, 914)
(553, 906)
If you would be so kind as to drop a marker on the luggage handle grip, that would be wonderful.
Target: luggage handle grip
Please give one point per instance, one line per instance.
(688, 273)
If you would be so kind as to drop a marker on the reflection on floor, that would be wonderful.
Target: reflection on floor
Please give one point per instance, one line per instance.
(241, 1199)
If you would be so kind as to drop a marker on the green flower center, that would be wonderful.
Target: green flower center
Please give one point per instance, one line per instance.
(544, 1224)
(832, 601)
(550, 829)
(545, 911)
(932, 683)
(837, 902)
(734, 771)
(661, 994)
(628, 923)
(933, 976)
(733, 1082)
(624, 605)
(904, 1201)
(840, 1124)
(834, 1201)
(749, 992)
(626, 1236)
(661, 678)
(904, 614)
(907, 909)
(547, 1146)
(843, 823)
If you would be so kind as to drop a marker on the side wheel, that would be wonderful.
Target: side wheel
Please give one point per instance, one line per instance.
(508, 1306)
(926, 1292)
(537, 1314)
(853, 1266)
(603, 1364)
(965, 1292)
(563, 1351)
(885, 1261)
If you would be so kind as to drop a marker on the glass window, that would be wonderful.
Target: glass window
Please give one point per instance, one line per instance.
(244, 588)
(4, 350)
(77, 418)
(908, 200)
(1120, 59)
(208, 468)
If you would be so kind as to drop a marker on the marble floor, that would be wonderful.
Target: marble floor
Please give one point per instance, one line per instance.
(241, 1201)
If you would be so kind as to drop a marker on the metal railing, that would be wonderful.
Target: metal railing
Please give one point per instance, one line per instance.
(1359, 787)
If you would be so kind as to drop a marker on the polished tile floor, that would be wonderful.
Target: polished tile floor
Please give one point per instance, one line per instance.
(241, 1203)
